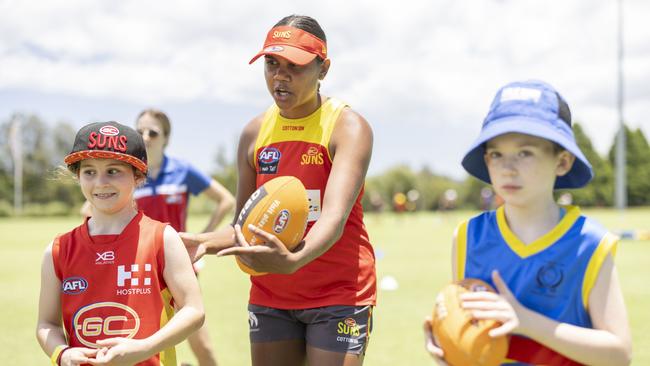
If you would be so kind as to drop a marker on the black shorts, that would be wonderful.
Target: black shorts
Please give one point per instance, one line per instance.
(343, 329)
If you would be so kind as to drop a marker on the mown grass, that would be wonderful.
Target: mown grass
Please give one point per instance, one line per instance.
(414, 249)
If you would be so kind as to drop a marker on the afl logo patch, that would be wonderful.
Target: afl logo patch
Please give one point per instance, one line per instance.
(269, 156)
(268, 160)
(281, 221)
(109, 130)
(74, 285)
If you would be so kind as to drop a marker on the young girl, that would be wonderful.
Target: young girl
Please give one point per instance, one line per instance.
(109, 286)
(316, 305)
(165, 197)
(559, 295)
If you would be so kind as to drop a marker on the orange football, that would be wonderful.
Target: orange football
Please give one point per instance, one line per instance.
(280, 207)
(464, 340)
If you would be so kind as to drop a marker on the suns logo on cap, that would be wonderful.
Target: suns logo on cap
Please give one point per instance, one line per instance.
(274, 49)
(109, 130)
(282, 34)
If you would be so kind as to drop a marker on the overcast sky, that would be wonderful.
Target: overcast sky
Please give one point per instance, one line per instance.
(422, 72)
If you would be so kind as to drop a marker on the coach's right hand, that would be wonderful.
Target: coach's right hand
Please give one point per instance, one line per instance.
(198, 245)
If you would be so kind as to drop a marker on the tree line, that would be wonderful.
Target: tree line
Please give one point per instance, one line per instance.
(471, 193)
(48, 191)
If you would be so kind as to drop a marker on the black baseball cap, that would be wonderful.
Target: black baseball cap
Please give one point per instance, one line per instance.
(109, 140)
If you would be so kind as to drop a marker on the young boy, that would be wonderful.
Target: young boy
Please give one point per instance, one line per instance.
(108, 287)
(559, 295)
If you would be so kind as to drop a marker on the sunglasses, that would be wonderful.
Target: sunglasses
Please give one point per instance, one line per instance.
(152, 134)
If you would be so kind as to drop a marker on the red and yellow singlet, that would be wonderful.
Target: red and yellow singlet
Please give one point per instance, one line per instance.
(113, 286)
(345, 274)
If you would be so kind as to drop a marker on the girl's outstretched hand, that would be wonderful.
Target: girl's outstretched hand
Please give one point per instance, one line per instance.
(120, 351)
(75, 356)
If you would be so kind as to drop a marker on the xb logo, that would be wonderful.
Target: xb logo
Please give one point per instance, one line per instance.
(106, 256)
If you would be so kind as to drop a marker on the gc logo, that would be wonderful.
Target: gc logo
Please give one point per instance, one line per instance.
(92, 322)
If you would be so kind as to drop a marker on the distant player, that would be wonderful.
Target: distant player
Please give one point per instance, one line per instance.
(109, 286)
(165, 197)
(170, 181)
(316, 306)
(559, 294)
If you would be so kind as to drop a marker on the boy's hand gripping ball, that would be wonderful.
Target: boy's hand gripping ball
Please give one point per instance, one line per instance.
(280, 207)
(465, 340)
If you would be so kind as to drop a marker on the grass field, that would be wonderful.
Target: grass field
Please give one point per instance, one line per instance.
(414, 249)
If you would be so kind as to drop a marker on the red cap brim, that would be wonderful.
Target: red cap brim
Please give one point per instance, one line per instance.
(293, 44)
(101, 154)
(292, 54)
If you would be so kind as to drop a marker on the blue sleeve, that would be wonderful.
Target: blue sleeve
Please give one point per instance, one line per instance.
(196, 180)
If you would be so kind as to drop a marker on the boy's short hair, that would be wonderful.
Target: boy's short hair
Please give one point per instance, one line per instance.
(533, 108)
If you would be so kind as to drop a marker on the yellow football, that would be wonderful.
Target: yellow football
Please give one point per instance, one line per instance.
(280, 207)
(465, 340)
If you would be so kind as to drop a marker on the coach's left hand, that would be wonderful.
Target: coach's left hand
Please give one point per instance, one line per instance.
(195, 248)
(270, 256)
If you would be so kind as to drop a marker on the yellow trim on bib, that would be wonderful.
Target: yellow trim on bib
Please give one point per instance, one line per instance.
(607, 244)
(545, 241)
(264, 130)
(168, 355)
(461, 250)
(57, 352)
(316, 128)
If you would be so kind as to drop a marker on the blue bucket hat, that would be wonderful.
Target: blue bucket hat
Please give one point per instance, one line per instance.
(533, 108)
